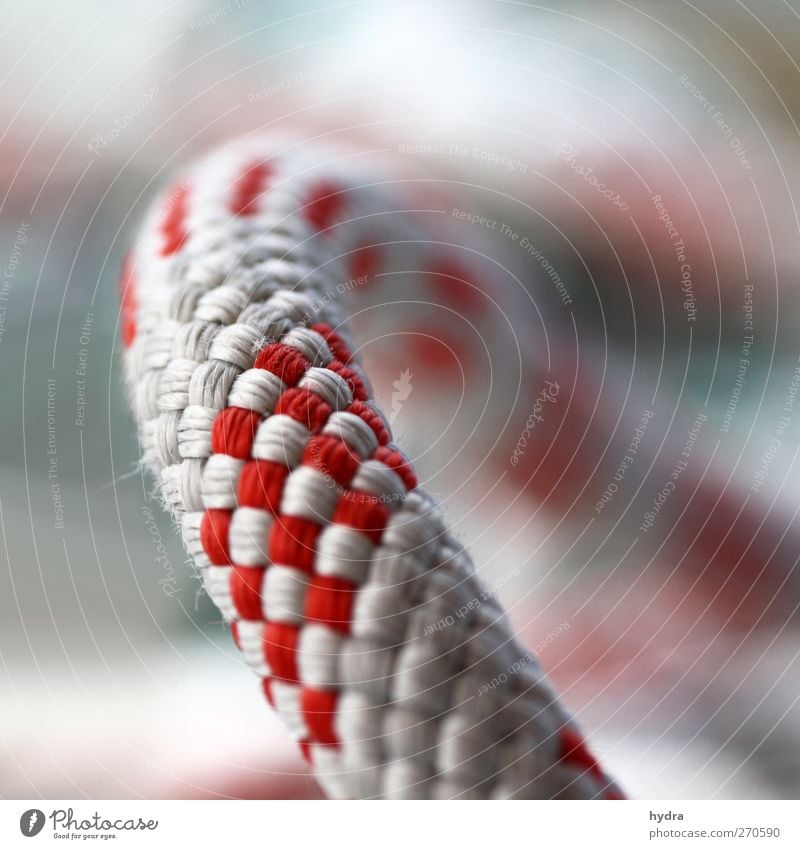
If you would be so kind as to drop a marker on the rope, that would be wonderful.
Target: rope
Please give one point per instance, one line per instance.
(336, 571)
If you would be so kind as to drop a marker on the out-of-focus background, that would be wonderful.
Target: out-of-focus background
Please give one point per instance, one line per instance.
(636, 166)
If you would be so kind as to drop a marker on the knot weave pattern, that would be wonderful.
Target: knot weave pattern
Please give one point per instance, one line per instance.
(305, 521)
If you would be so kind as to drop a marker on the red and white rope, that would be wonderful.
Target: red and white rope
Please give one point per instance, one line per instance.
(335, 569)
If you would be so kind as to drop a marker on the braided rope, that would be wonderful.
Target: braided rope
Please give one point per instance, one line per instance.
(334, 568)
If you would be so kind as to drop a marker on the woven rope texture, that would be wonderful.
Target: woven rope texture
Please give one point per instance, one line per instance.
(335, 570)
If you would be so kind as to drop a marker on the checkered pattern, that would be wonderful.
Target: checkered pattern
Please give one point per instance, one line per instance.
(307, 524)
